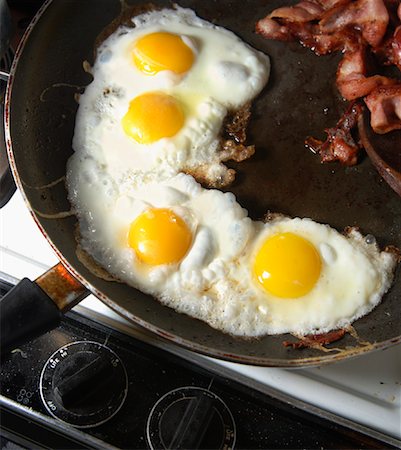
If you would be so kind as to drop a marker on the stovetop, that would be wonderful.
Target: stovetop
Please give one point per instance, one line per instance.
(89, 386)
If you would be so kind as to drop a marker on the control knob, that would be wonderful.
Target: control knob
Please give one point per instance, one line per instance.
(190, 417)
(83, 384)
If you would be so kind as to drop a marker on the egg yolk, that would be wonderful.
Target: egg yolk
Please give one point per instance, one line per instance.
(159, 236)
(153, 116)
(162, 51)
(287, 265)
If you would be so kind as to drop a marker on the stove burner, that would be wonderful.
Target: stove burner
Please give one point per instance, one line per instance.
(83, 384)
(190, 417)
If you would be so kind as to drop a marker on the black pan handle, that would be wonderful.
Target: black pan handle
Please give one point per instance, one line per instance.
(25, 313)
(31, 309)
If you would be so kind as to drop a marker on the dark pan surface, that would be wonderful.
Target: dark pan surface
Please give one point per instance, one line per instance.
(283, 176)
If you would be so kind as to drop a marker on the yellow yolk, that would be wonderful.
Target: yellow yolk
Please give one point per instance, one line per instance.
(287, 265)
(162, 51)
(159, 236)
(153, 116)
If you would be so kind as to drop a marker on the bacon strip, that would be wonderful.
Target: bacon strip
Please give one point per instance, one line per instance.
(304, 11)
(325, 43)
(389, 53)
(340, 144)
(384, 104)
(313, 340)
(396, 46)
(306, 33)
(339, 22)
(271, 29)
(369, 16)
(352, 81)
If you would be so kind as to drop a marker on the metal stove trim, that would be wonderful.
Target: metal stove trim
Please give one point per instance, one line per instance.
(56, 425)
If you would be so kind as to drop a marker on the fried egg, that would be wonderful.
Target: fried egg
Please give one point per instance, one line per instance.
(162, 232)
(161, 91)
(197, 251)
(298, 276)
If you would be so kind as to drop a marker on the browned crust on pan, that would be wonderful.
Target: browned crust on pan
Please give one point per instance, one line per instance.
(316, 340)
(232, 147)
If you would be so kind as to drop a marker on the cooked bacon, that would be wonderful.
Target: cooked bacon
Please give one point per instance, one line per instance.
(355, 27)
(367, 32)
(389, 53)
(328, 4)
(289, 24)
(304, 11)
(384, 104)
(314, 340)
(306, 34)
(352, 81)
(394, 10)
(369, 16)
(271, 29)
(396, 47)
(339, 21)
(340, 144)
(323, 44)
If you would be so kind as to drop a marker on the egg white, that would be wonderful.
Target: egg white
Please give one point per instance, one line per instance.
(217, 237)
(214, 282)
(354, 277)
(226, 74)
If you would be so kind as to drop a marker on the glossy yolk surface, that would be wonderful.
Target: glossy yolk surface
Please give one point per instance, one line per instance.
(162, 51)
(153, 116)
(159, 236)
(287, 265)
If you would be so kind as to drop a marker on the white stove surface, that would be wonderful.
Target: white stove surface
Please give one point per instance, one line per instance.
(366, 389)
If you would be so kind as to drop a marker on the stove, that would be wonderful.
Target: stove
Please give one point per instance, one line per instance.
(350, 404)
(99, 381)
(89, 386)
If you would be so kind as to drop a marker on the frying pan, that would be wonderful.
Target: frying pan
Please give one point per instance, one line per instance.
(299, 100)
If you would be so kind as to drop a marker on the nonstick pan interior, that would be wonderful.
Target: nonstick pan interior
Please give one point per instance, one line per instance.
(283, 176)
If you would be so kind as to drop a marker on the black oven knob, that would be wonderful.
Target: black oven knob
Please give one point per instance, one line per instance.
(83, 384)
(190, 417)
